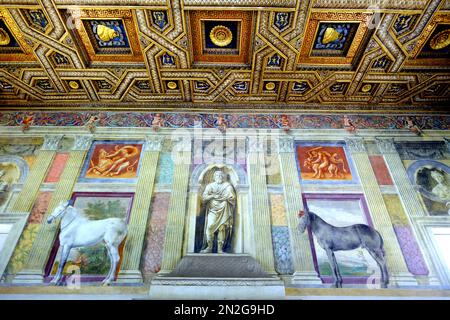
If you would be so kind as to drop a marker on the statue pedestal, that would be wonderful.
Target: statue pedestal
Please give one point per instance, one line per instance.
(217, 276)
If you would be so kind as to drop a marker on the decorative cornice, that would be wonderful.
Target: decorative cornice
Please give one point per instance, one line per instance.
(255, 144)
(386, 145)
(142, 119)
(82, 142)
(51, 142)
(286, 145)
(355, 145)
(153, 143)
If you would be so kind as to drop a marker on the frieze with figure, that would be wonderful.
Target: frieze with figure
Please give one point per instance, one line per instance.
(112, 160)
(324, 163)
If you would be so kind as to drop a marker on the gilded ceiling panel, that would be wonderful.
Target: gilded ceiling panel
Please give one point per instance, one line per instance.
(330, 55)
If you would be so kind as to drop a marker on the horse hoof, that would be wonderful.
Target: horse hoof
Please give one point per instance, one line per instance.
(106, 283)
(55, 283)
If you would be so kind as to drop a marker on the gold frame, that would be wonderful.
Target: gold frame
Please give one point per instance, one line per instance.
(244, 49)
(333, 17)
(441, 18)
(128, 22)
(27, 54)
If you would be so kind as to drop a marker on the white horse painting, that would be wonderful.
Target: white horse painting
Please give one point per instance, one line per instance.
(78, 231)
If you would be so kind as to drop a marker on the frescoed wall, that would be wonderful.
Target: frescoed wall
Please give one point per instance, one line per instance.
(153, 179)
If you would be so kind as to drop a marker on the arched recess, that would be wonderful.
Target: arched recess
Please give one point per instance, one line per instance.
(15, 171)
(203, 175)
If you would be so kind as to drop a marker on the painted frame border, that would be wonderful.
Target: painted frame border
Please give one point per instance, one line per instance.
(111, 14)
(353, 171)
(89, 277)
(82, 178)
(424, 225)
(412, 172)
(336, 197)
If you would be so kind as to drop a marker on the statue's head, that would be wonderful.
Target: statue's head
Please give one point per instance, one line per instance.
(219, 176)
(438, 176)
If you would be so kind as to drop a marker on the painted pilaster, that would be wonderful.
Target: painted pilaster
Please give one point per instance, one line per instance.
(42, 245)
(304, 273)
(173, 242)
(28, 194)
(260, 205)
(409, 197)
(407, 193)
(379, 213)
(129, 269)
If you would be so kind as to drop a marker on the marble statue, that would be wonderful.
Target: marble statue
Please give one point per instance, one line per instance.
(219, 198)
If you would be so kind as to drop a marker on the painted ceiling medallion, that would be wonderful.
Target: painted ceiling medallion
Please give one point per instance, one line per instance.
(331, 35)
(105, 33)
(4, 38)
(74, 84)
(441, 40)
(270, 86)
(221, 36)
(172, 85)
(366, 88)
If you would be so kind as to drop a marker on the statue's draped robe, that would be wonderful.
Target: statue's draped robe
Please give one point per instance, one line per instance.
(219, 212)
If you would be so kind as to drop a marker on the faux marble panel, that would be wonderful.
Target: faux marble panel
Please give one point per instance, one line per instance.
(23, 248)
(57, 167)
(164, 173)
(153, 251)
(381, 171)
(282, 250)
(278, 210)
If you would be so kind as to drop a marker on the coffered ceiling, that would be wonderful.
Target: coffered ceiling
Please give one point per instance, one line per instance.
(283, 55)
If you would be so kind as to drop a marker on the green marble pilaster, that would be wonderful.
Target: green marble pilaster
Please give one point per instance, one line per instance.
(42, 245)
(129, 269)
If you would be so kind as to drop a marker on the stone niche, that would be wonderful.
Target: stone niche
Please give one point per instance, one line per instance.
(201, 177)
(235, 274)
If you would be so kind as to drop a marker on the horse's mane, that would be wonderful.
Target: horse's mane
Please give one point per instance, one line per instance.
(78, 212)
(313, 216)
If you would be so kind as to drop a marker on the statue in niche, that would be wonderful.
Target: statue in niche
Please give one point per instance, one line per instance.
(219, 200)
